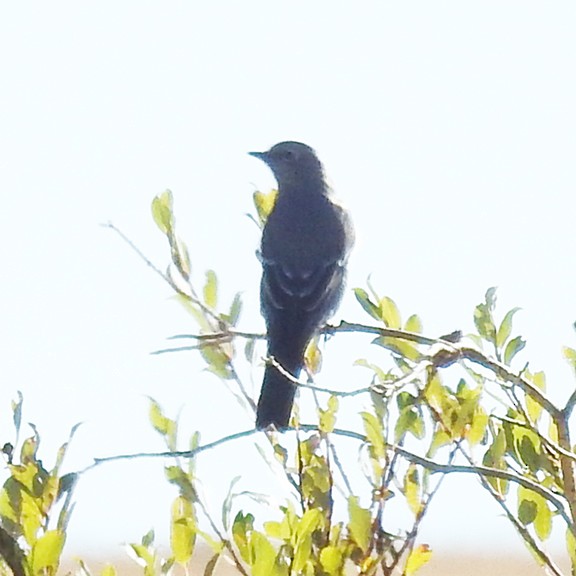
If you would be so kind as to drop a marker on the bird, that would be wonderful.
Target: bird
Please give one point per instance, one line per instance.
(305, 244)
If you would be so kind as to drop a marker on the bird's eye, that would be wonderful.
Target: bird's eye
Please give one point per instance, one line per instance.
(288, 155)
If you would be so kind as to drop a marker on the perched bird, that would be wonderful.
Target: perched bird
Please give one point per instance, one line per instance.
(305, 245)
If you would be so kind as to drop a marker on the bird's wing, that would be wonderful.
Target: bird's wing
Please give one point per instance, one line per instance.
(305, 289)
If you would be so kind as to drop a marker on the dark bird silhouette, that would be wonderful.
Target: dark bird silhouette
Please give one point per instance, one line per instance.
(305, 245)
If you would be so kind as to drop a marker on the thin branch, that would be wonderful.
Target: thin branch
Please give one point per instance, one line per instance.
(520, 528)
(170, 454)
(139, 252)
(505, 373)
(552, 445)
(431, 465)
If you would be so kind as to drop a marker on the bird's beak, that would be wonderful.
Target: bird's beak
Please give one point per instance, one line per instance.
(261, 155)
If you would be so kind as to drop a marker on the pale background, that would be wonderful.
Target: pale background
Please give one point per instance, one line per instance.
(447, 127)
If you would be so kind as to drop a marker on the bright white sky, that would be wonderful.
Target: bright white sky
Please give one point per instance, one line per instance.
(448, 128)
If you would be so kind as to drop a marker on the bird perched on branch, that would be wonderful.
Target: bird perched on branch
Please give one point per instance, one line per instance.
(305, 245)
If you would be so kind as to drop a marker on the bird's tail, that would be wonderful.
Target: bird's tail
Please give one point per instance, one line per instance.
(277, 395)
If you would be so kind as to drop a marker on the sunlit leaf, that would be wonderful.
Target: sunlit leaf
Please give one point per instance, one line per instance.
(389, 313)
(241, 529)
(46, 552)
(264, 204)
(413, 324)
(360, 524)
(211, 289)
(162, 424)
(162, 211)
(182, 530)
(108, 570)
(263, 555)
(477, 430)
(484, 323)
(533, 509)
(374, 433)
(313, 356)
(419, 556)
(332, 560)
(327, 418)
(505, 328)
(412, 489)
(571, 545)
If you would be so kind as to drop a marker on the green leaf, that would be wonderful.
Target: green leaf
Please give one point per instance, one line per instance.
(360, 524)
(409, 421)
(264, 203)
(327, 417)
(413, 324)
(162, 211)
(46, 553)
(527, 512)
(108, 570)
(235, 310)
(175, 475)
(310, 521)
(571, 545)
(412, 489)
(163, 425)
(180, 255)
(512, 348)
(148, 538)
(263, 555)
(533, 509)
(402, 348)
(390, 314)
(182, 530)
(478, 427)
(332, 560)
(375, 434)
(484, 323)
(211, 290)
(367, 304)
(505, 328)
(419, 556)
(570, 355)
(241, 528)
(313, 356)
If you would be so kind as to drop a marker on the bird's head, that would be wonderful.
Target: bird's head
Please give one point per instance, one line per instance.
(292, 163)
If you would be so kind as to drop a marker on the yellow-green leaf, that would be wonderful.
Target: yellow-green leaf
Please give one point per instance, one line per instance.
(419, 556)
(263, 555)
(332, 560)
(162, 211)
(412, 489)
(571, 545)
(46, 553)
(374, 433)
(108, 570)
(182, 530)
(413, 324)
(478, 427)
(264, 203)
(360, 524)
(389, 313)
(211, 289)
(505, 328)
